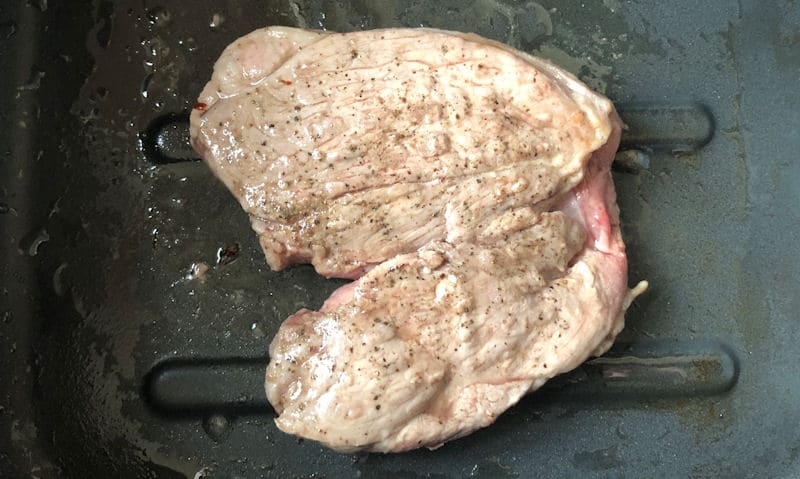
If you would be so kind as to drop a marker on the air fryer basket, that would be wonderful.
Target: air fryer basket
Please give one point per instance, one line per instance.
(118, 359)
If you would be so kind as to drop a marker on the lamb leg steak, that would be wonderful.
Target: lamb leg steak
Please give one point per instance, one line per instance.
(464, 186)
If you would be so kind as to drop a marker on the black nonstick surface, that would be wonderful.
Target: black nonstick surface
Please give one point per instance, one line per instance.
(117, 361)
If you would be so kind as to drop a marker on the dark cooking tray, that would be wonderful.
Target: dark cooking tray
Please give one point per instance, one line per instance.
(116, 362)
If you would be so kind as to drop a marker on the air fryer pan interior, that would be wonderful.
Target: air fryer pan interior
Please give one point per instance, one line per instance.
(117, 361)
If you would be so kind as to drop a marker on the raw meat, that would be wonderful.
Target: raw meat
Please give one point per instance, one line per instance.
(464, 185)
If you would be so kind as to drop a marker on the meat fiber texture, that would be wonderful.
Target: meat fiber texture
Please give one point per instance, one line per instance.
(464, 186)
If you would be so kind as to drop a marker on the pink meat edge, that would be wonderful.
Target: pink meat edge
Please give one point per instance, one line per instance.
(594, 204)
(596, 197)
(344, 294)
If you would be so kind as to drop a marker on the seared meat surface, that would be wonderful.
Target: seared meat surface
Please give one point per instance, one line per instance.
(464, 184)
